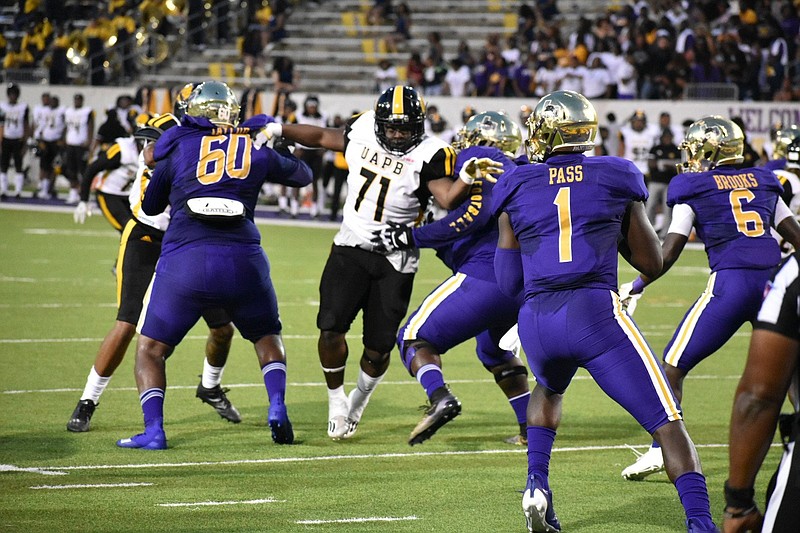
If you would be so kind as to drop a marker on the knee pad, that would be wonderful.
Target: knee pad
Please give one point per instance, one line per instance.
(508, 372)
(408, 349)
(378, 360)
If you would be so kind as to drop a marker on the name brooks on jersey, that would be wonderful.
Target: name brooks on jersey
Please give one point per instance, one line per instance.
(736, 181)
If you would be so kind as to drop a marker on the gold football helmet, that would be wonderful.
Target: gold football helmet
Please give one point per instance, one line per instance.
(215, 101)
(710, 142)
(781, 140)
(490, 128)
(562, 122)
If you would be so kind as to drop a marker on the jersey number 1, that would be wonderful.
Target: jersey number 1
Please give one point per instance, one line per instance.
(564, 225)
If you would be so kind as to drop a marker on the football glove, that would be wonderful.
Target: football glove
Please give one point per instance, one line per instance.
(483, 168)
(510, 341)
(267, 133)
(82, 210)
(392, 238)
(627, 299)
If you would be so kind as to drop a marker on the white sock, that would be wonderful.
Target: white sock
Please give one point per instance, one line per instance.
(95, 385)
(44, 186)
(19, 181)
(294, 206)
(212, 375)
(359, 396)
(337, 402)
(3, 183)
(283, 203)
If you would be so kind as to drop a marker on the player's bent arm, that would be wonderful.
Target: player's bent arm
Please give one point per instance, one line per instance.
(314, 136)
(757, 403)
(102, 163)
(467, 218)
(641, 247)
(289, 170)
(786, 224)
(508, 260)
(156, 196)
(449, 193)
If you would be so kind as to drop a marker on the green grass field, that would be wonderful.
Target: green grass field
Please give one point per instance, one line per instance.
(57, 301)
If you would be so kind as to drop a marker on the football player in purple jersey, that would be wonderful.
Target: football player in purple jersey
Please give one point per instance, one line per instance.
(562, 224)
(732, 210)
(211, 258)
(468, 304)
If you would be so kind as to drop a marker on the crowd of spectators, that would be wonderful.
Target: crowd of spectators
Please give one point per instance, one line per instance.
(641, 49)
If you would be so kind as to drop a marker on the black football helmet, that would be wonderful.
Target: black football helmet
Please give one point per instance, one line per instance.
(179, 105)
(400, 108)
(793, 154)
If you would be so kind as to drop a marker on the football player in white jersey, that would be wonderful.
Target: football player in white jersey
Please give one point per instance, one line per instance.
(393, 169)
(79, 121)
(49, 138)
(636, 139)
(139, 249)
(787, 149)
(16, 128)
(114, 169)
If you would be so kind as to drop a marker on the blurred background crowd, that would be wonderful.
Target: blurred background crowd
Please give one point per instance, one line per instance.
(656, 49)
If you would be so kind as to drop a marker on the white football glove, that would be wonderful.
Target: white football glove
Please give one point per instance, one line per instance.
(483, 168)
(627, 299)
(510, 341)
(267, 134)
(82, 210)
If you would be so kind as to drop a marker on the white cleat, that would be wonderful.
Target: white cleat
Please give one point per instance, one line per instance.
(338, 427)
(647, 463)
(338, 421)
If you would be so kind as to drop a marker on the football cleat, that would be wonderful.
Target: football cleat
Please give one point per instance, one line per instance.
(521, 439)
(81, 416)
(537, 504)
(443, 408)
(338, 422)
(152, 439)
(280, 425)
(647, 463)
(216, 398)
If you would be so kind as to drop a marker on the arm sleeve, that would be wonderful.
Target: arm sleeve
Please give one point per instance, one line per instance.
(441, 165)
(508, 271)
(782, 212)
(467, 218)
(156, 196)
(682, 220)
(108, 160)
(286, 169)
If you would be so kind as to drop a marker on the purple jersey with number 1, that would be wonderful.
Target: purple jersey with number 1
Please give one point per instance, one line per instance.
(567, 216)
(212, 263)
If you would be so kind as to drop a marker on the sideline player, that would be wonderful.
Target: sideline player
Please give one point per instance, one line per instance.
(393, 169)
(468, 304)
(732, 210)
(209, 173)
(139, 249)
(562, 224)
(14, 133)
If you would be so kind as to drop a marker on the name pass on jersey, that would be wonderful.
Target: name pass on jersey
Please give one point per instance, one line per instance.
(211, 208)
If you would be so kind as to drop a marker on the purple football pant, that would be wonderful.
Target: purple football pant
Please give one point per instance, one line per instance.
(732, 297)
(562, 331)
(461, 308)
(187, 282)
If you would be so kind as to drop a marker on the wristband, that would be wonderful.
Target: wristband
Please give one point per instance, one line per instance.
(739, 498)
(638, 285)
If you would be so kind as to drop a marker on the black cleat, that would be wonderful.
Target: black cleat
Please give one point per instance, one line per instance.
(81, 416)
(216, 398)
(444, 407)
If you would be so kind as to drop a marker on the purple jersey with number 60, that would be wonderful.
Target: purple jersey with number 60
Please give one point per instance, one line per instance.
(198, 159)
(567, 216)
(734, 210)
(212, 263)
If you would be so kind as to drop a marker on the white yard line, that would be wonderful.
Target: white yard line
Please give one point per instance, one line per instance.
(275, 460)
(358, 520)
(207, 504)
(92, 486)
